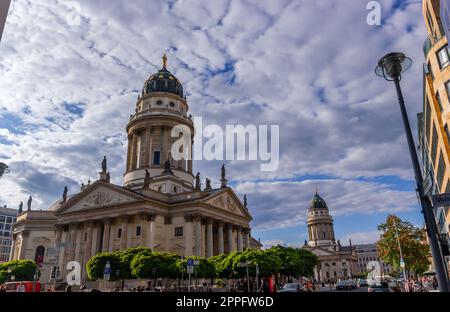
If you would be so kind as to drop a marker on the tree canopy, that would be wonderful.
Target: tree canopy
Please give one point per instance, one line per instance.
(413, 244)
(23, 270)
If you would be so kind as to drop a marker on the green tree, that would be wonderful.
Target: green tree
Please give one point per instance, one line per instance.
(309, 261)
(160, 264)
(126, 257)
(205, 269)
(268, 262)
(412, 240)
(96, 265)
(23, 270)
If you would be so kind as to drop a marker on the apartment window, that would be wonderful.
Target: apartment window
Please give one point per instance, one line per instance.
(178, 231)
(119, 233)
(434, 139)
(156, 157)
(438, 99)
(7, 227)
(2, 219)
(441, 170)
(443, 57)
(9, 220)
(138, 230)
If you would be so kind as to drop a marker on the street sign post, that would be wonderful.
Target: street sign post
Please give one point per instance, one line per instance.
(190, 270)
(441, 200)
(107, 272)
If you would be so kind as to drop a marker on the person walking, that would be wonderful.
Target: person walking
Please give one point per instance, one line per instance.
(264, 285)
(21, 287)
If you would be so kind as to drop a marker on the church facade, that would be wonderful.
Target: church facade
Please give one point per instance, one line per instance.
(161, 204)
(336, 262)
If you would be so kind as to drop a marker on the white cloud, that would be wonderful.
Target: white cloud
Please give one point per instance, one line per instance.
(264, 62)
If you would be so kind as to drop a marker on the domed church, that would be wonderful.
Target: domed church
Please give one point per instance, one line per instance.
(335, 261)
(161, 204)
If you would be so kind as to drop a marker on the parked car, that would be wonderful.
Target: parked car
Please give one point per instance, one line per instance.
(343, 285)
(12, 286)
(363, 283)
(352, 284)
(292, 287)
(378, 287)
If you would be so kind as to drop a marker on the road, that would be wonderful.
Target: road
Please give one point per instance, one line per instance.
(360, 289)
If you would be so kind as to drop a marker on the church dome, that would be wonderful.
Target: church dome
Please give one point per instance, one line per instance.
(163, 81)
(318, 202)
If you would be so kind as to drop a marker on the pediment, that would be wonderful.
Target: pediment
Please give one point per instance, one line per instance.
(41, 240)
(228, 201)
(98, 196)
(322, 252)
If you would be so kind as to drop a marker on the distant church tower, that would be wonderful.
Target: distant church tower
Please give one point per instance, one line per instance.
(160, 107)
(320, 223)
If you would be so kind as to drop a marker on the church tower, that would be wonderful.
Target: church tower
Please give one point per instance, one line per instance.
(161, 106)
(320, 223)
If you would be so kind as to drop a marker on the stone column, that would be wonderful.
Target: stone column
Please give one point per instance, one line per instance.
(130, 232)
(129, 151)
(209, 238)
(13, 248)
(124, 229)
(23, 244)
(188, 235)
(106, 235)
(230, 237)
(198, 236)
(246, 239)
(143, 239)
(151, 231)
(134, 152)
(96, 238)
(87, 247)
(239, 238)
(220, 237)
(78, 240)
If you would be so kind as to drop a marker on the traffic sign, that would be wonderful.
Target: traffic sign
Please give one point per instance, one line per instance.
(441, 200)
(196, 262)
(190, 269)
(190, 262)
(402, 264)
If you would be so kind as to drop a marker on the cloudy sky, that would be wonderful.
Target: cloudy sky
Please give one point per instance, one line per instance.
(70, 73)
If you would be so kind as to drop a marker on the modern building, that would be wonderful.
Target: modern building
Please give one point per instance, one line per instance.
(367, 255)
(7, 219)
(433, 122)
(336, 262)
(161, 205)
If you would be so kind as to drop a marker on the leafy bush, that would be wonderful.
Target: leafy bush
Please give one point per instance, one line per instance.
(23, 270)
(156, 264)
(96, 265)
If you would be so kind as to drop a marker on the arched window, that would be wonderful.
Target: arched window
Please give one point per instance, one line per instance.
(39, 255)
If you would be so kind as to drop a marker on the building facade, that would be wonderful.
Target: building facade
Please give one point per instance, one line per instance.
(7, 220)
(433, 122)
(336, 262)
(367, 255)
(161, 204)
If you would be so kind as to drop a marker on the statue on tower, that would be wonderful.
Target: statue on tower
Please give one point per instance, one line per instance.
(65, 193)
(30, 199)
(197, 181)
(208, 185)
(104, 164)
(167, 169)
(20, 207)
(245, 201)
(147, 179)
(164, 59)
(108, 177)
(223, 180)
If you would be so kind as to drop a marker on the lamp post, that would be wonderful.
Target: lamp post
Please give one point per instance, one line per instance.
(9, 274)
(390, 67)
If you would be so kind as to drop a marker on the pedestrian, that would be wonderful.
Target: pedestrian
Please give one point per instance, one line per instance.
(21, 287)
(264, 285)
(68, 288)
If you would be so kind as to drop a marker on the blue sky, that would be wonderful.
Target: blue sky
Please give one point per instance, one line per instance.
(67, 91)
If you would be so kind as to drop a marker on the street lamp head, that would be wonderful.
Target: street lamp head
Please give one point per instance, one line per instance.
(392, 65)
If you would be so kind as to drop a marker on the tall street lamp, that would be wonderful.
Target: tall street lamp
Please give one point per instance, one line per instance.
(391, 66)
